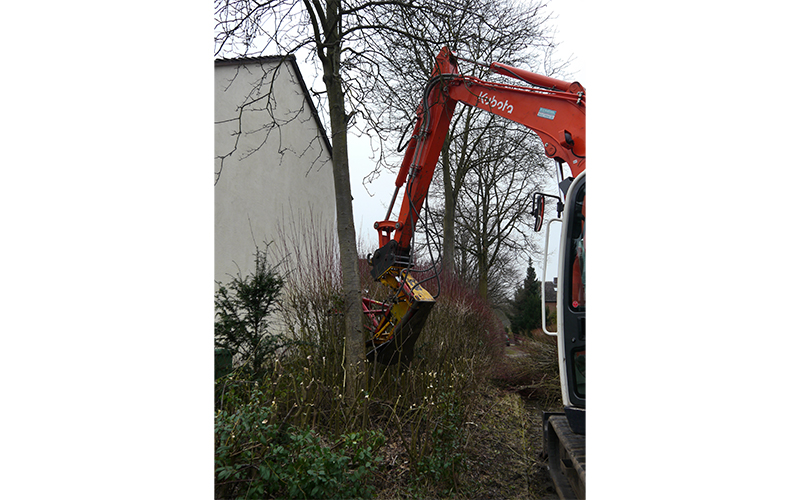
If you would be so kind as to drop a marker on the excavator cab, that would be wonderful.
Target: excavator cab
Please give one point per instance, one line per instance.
(572, 304)
(564, 442)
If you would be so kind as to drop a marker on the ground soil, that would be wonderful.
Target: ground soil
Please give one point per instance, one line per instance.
(504, 451)
(502, 454)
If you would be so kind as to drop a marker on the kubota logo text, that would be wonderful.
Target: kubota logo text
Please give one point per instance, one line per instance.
(492, 102)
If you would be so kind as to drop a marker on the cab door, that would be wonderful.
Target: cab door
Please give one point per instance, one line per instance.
(572, 298)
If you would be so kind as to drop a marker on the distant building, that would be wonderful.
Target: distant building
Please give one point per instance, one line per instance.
(272, 166)
(550, 294)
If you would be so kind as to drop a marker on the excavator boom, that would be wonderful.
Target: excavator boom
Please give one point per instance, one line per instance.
(555, 110)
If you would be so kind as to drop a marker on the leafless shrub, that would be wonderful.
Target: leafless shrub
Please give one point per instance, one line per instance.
(533, 372)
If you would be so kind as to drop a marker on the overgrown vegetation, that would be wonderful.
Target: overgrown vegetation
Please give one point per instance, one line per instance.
(533, 373)
(289, 429)
(259, 455)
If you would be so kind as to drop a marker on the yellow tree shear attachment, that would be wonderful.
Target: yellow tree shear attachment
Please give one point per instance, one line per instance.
(395, 325)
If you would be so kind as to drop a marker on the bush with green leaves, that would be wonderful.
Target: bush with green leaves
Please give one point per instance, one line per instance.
(243, 312)
(259, 456)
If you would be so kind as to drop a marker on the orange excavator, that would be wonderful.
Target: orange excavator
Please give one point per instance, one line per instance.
(556, 111)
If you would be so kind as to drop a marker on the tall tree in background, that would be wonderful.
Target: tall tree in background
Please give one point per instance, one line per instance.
(526, 314)
(493, 208)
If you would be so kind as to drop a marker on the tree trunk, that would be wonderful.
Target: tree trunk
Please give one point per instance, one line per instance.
(483, 271)
(483, 238)
(355, 351)
(448, 223)
(483, 261)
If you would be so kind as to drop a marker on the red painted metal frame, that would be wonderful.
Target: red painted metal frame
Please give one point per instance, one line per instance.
(556, 111)
(373, 315)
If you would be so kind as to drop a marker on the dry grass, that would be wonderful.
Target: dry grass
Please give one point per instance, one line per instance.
(534, 373)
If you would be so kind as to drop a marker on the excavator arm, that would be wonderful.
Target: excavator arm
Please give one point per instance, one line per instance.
(555, 110)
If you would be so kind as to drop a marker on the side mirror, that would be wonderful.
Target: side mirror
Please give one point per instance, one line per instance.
(538, 211)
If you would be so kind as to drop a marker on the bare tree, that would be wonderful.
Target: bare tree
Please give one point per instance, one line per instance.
(337, 32)
(288, 26)
(495, 194)
(506, 31)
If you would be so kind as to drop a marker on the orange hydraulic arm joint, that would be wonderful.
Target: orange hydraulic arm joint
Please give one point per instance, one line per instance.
(552, 108)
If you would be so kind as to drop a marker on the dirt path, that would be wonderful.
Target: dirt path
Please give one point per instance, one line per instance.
(513, 351)
(503, 450)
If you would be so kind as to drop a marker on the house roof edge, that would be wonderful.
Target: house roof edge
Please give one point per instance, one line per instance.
(291, 59)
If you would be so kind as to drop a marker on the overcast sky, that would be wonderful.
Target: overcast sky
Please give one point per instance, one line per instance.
(107, 226)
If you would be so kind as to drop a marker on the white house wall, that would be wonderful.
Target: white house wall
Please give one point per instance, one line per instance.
(276, 169)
